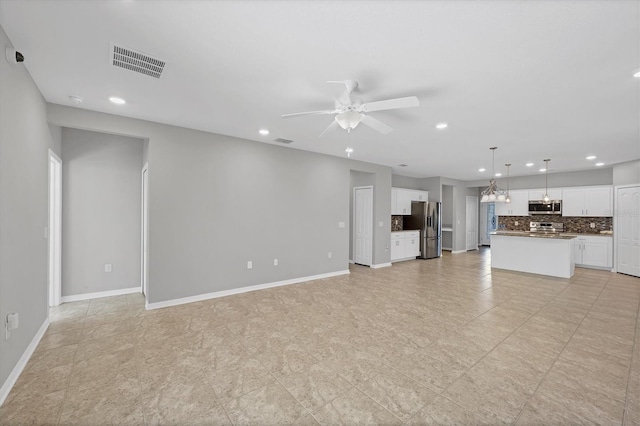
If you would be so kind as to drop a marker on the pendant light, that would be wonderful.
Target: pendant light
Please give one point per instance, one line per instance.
(492, 194)
(508, 198)
(546, 181)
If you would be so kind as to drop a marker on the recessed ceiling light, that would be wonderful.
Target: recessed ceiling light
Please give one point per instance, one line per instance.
(442, 126)
(348, 150)
(529, 164)
(599, 164)
(637, 74)
(118, 101)
(76, 99)
(542, 170)
(498, 174)
(481, 170)
(591, 157)
(263, 132)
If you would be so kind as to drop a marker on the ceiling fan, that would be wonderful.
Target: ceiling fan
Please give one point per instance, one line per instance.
(349, 113)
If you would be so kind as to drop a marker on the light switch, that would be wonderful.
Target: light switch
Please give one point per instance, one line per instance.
(249, 264)
(381, 224)
(107, 267)
(340, 224)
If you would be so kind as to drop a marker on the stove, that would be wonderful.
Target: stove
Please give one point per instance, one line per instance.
(546, 227)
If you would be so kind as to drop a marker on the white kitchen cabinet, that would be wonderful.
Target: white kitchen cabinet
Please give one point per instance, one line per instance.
(593, 251)
(590, 201)
(401, 201)
(538, 194)
(519, 205)
(420, 196)
(405, 245)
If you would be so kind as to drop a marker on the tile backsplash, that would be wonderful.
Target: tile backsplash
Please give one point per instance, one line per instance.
(571, 224)
(396, 223)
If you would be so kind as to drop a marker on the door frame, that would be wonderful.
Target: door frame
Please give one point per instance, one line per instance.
(615, 222)
(466, 231)
(144, 232)
(54, 234)
(353, 248)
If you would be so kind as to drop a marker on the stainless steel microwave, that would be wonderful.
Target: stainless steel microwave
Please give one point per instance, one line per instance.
(542, 207)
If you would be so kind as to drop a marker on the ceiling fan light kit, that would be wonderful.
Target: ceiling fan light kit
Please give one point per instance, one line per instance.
(349, 113)
(546, 181)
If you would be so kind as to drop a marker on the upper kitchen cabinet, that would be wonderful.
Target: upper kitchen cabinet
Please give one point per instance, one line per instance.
(588, 201)
(519, 205)
(401, 200)
(538, 194)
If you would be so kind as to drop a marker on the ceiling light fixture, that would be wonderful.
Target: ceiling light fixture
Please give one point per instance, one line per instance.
(493, 194)
(636, 74)
(482, 170)
(498, 174)
(349, 119)
(546, 176)
(591, 157)
(263, 132)
(508, 198)
(442, 126)
(348, 151)
(599, 164)
(529, 164)
(542, 170)
(116, 100)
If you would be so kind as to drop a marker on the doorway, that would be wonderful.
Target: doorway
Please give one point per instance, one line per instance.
(145, 232)
(488, 222)
(363, 225)
(472, 223)
(55, 229)
(627, 230)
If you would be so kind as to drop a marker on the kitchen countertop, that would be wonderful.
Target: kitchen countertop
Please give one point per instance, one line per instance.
(557, 236)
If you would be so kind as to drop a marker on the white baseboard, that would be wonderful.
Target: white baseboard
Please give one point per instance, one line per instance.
(403, 259)
(381, 265)
(223, 293)
(22, 362)
(458, 251)
(351, 261)
(99, 294)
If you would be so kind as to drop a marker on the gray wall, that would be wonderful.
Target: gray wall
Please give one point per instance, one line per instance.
(101, 203)
(556, 180)
(24, 142)
(407, 182)
(216, 202)
(626, 173)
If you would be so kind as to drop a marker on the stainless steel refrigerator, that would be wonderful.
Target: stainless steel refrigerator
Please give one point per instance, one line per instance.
(426, 217)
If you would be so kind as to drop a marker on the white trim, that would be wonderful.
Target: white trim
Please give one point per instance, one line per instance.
(144, 231)
(54, 234)
(99, 294)
(615, 223)
(352, 262)
(381, 265)
(223, 293)
(458, 251)
(353, 221)
(22, 362)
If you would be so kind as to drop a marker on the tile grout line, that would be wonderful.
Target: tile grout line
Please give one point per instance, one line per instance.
(558, 356)
(635, 349)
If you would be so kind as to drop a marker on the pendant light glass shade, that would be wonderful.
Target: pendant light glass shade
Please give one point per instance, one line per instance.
(493, 194)
(546, 198)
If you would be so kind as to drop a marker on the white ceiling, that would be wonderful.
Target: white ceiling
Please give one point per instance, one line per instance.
(538, 79)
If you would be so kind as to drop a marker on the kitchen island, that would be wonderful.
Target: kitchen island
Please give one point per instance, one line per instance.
(551, 255)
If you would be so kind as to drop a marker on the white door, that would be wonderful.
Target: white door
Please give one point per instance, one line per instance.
(628, 230)
(145, 231)
(55, 229)
(472, 223)
(363, 225)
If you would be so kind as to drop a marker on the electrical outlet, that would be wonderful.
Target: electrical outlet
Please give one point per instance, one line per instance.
(249, 265)
(516, 223)
(592, 225)
(10, 323)
(380, 224)
(108, 267)
(341, 224)
(275, 262)
(329, 255)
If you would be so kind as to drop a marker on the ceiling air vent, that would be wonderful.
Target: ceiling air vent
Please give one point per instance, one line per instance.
(136, 61)
(285, 141)
(402, 165)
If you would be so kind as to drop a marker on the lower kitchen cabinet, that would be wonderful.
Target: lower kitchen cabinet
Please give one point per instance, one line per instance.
(593, 251)
(405, 245)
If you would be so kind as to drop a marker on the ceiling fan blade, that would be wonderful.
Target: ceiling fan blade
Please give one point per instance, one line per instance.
(408, 102)
(376, 124)
(326, 111)
(334, 124)
(350, 86)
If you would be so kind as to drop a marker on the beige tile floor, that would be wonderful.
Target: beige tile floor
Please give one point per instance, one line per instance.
(445, 341)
